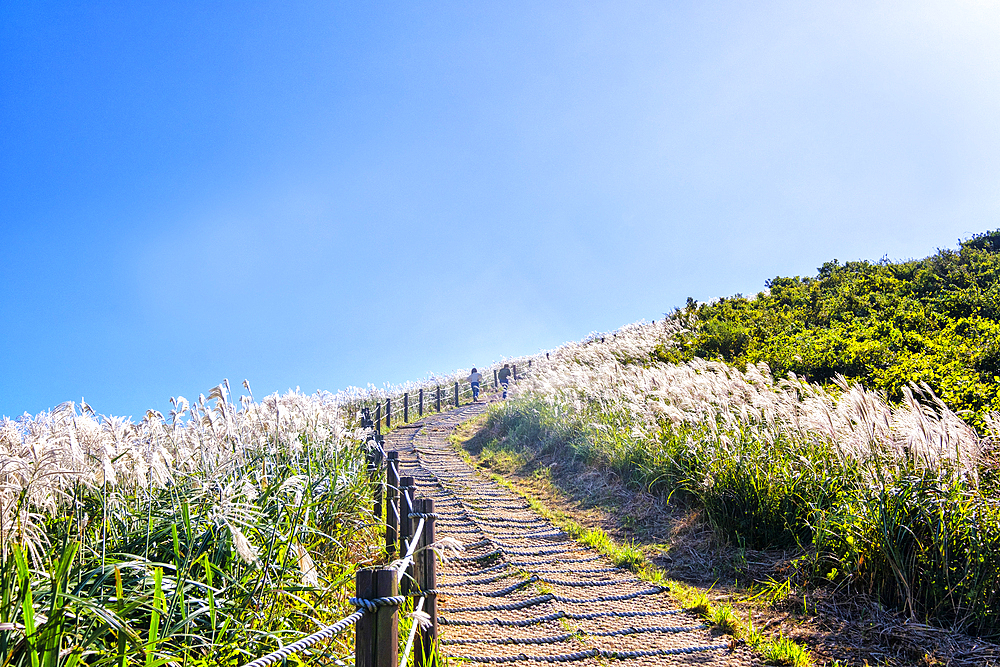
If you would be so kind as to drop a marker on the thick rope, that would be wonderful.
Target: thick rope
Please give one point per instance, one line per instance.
(373, 604)
(557, 639)
(521, 623)
(364, 606)
(592, 653)
(304, 643)
(549, 597)
(479, 582)
(413, 631)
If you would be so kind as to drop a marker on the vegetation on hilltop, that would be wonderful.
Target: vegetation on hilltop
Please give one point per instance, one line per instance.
(892, 499)
(883, 324)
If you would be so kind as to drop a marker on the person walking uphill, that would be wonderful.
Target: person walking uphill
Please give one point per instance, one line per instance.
(504, 377)
(474, 379)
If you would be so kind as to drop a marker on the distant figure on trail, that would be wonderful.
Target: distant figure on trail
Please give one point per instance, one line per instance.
(504, 377)
(474, 379)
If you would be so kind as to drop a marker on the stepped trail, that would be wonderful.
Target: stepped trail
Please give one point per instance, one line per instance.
(523, 591)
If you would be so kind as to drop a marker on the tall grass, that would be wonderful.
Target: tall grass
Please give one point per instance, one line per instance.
(208, 537)
(896, 500)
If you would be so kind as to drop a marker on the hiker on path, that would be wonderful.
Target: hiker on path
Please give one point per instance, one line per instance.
(504, 377)
(474, 379)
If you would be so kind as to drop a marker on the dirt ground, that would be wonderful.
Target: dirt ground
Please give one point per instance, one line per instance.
(839, 627)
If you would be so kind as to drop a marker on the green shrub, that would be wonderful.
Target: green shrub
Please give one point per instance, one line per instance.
(884, 324)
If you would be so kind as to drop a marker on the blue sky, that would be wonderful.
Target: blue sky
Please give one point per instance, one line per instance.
(323, 194)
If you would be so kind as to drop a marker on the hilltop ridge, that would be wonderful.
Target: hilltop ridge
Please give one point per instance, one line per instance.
(933, 321)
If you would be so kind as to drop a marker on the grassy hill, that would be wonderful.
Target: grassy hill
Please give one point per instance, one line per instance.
(875, 461)
(885, 324)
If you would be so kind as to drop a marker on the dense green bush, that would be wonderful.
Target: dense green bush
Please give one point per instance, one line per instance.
(883, 324)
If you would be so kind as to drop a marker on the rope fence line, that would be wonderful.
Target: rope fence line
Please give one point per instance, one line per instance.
(413, 630)
(383, 408)
(555, 616)
(379, 636)
(592, 653)
(568, 636)
(304, 643)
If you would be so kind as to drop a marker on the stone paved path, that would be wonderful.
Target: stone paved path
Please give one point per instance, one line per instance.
(523, 591)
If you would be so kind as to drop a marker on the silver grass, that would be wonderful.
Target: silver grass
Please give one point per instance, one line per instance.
(246, 551)
(857, 423)
(310, 576)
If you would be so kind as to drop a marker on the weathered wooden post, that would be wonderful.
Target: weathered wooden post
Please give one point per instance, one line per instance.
(364, 629)
(391, 502)
(514, 368)
(421, 409)
(376, 636)
(386, 620)
(374, 463)
(425, 575)
(388, 412)
(407, 487)
(406, 407)
(378, 418)
(495, 382)
(456, 394)
(439, 398)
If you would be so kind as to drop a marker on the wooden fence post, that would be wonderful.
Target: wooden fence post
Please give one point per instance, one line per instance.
(391, 502)
(514, 367)
(439, 398)
(374, 463)
(407, 486)
(425, 575)
(378, 418)
(386, 620)
(406, 407)
(388, 412)
(456, 394)
(495, 382)
(364, 630)
(421, 412)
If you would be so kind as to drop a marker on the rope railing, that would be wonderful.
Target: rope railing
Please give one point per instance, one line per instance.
(413, 630)
(304, 643)
(378, 593)
(381, 409)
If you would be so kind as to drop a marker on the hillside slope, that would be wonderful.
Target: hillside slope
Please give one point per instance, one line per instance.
(886, 324)
(891, 499)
